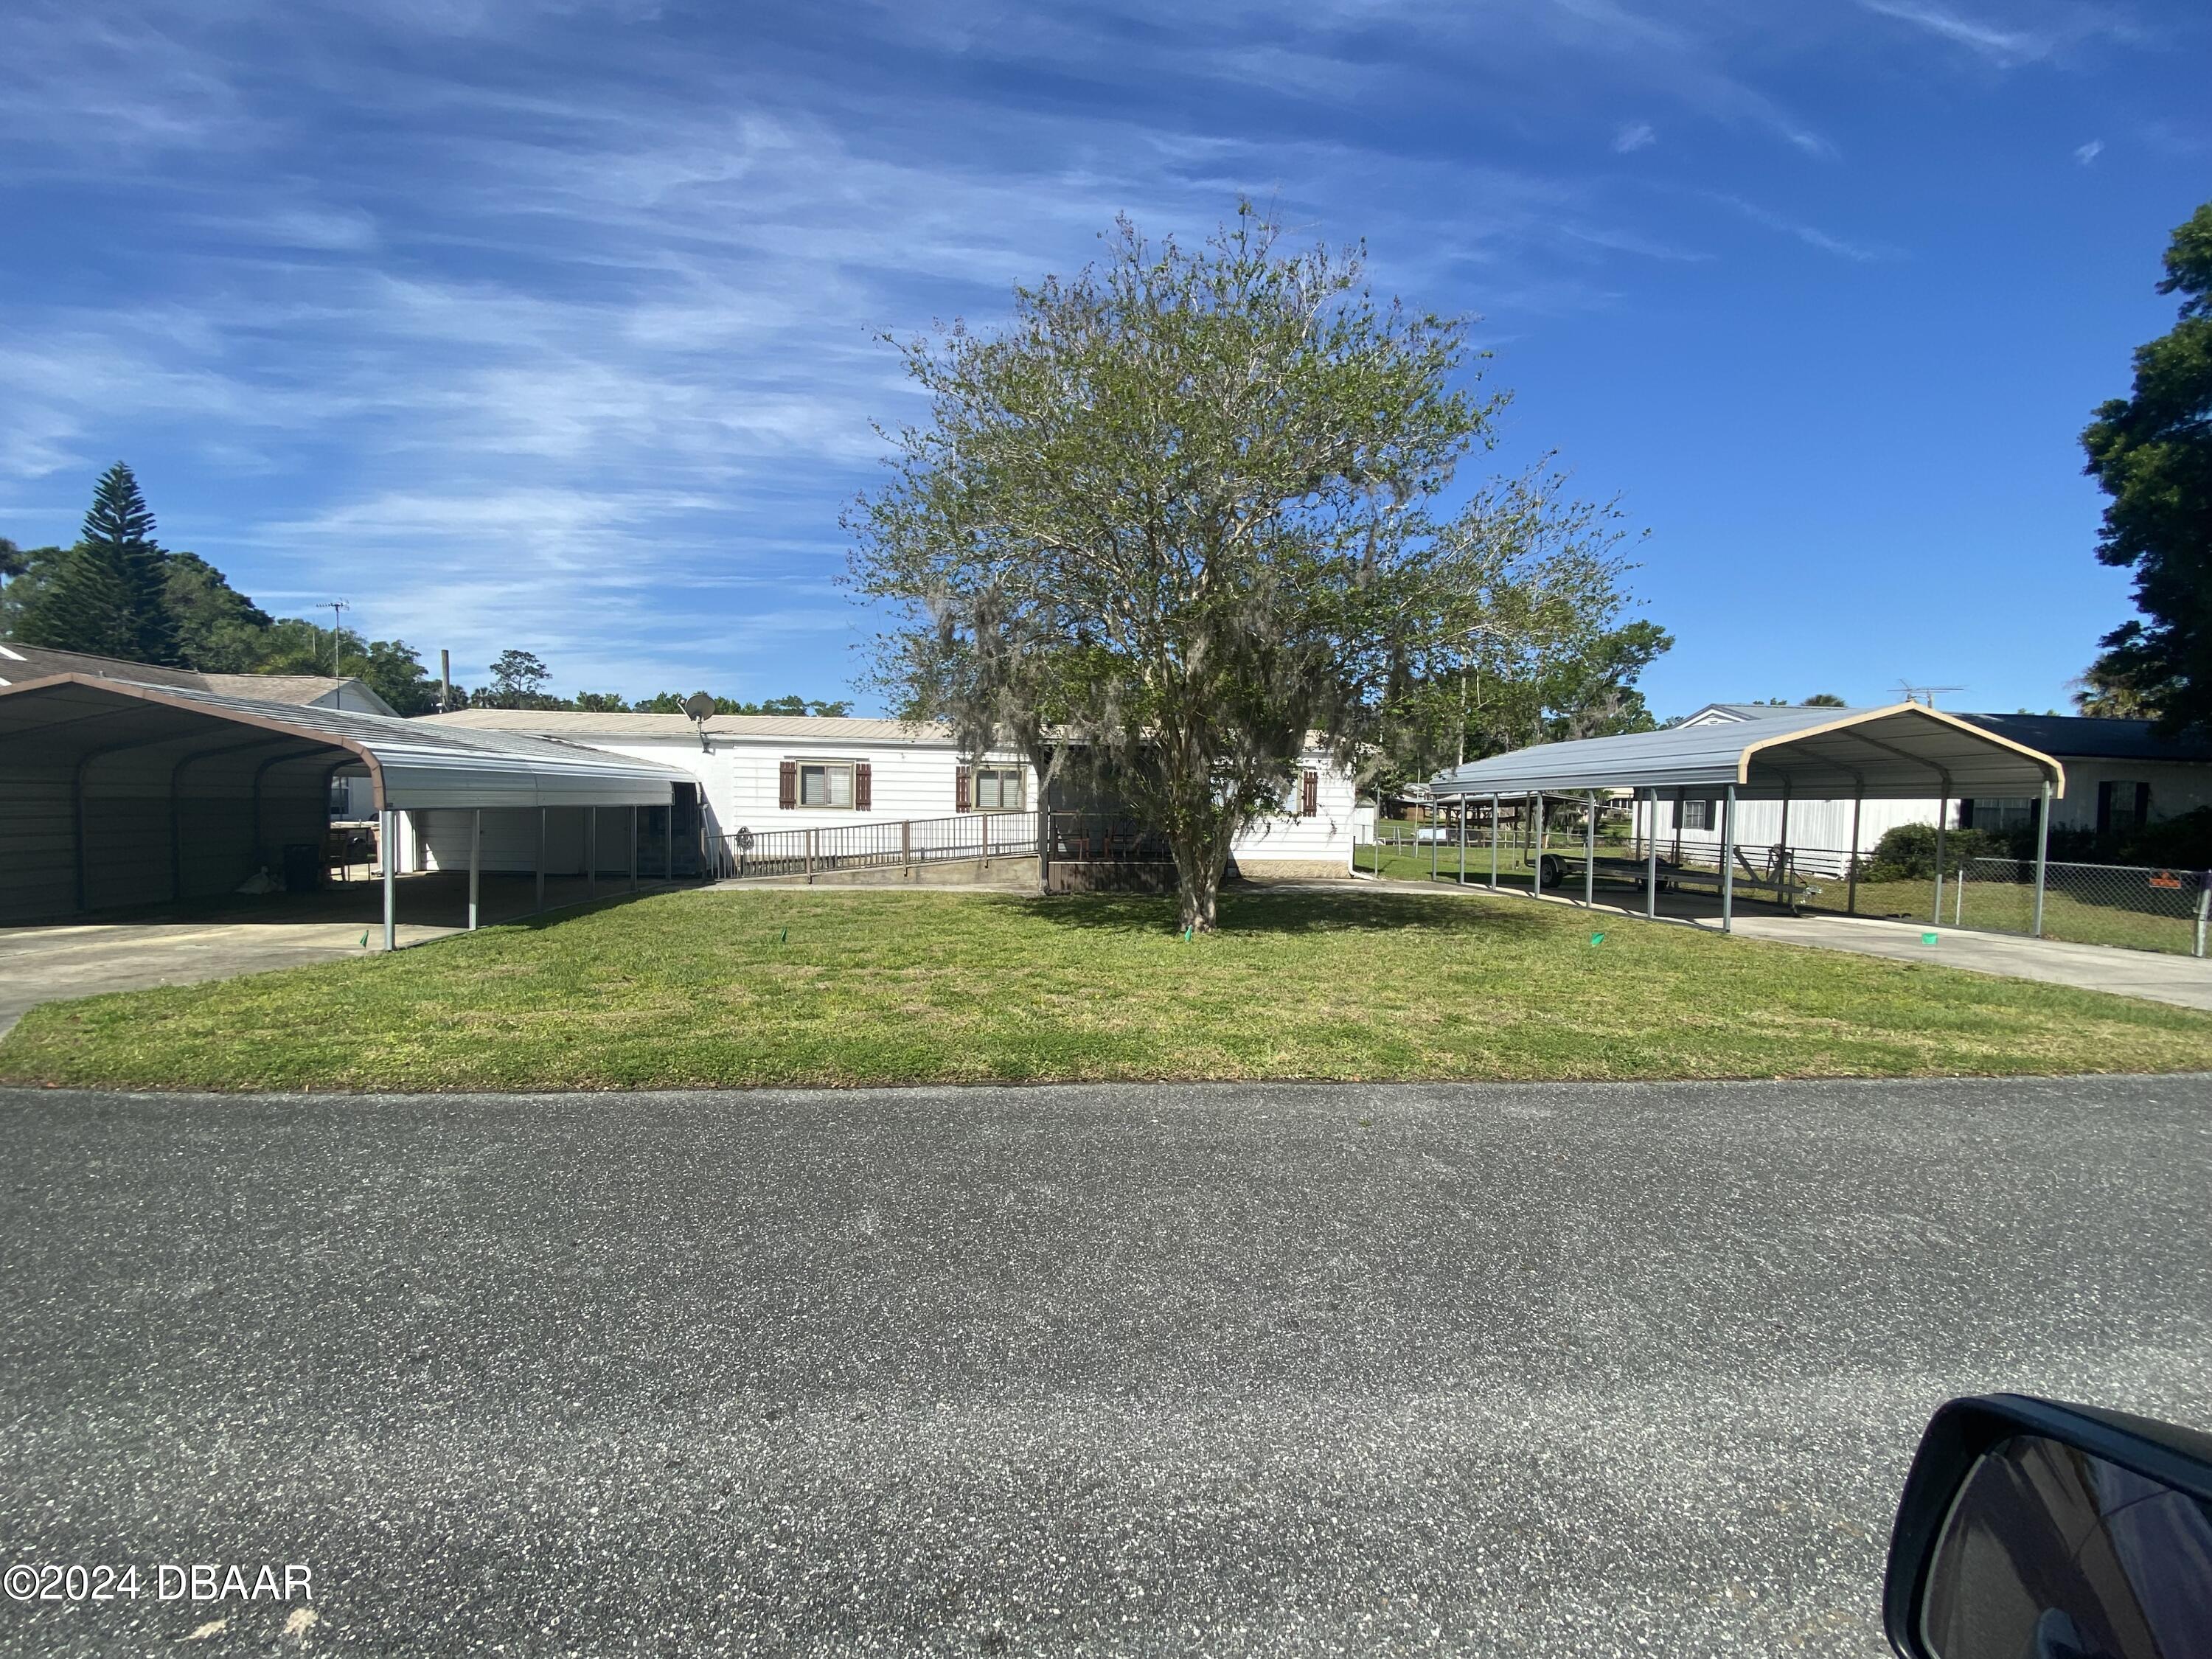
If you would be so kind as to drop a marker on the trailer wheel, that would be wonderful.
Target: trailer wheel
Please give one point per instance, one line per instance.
(1550, 873)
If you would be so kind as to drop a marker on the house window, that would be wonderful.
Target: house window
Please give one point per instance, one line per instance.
(824, 783)
(2122, 807)
(1697, 815)
(2002, 814)
(999, 788)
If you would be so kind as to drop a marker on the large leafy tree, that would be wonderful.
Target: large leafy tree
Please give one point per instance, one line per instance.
(1179, 513)
(219, 629)
(107, 594)
(2152, 453)
(391, 668)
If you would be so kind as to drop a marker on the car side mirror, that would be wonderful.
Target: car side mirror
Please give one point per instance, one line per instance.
(2030, 1529)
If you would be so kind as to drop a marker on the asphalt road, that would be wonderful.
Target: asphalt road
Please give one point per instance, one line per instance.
(1557, 1370)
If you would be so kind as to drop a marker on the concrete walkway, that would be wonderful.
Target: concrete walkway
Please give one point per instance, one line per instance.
(2185, 982)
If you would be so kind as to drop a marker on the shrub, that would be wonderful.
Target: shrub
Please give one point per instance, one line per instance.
(1908, 852)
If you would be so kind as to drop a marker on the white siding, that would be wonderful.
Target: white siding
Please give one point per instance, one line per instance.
(1326, 837)
(910, 780)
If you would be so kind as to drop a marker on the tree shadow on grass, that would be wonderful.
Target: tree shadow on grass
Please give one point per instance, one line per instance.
(1250, 910)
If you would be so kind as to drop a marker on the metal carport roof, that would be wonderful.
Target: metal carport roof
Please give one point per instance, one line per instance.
(1903, 752)
(413, 766)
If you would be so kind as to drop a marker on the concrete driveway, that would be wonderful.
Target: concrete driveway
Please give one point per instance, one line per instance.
(44, 964)
(1530, 1370)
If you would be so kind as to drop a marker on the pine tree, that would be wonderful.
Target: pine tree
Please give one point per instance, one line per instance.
(109, 595)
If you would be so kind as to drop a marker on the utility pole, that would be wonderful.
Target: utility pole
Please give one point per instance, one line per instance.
(334, 606)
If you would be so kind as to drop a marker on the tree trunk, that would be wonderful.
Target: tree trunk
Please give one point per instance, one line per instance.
(1198, 884)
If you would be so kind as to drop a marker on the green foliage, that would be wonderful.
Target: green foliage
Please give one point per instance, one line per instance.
(671, 702)
(600, 702)
(2183, 841)
(391, 668)
(219, 629)
(1178, 509)
(2152, 453)
(106, 594)
(1907, 853)
(1824, 700)
(2106, 691)
(14, 561)
(34, 569)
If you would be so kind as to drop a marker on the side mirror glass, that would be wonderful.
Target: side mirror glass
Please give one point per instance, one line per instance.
(2031, 1530)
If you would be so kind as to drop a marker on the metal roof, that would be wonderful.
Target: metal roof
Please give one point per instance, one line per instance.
(569, 722)
(2086, 737)
(1903, 752)
(414, 763)
(21, 663)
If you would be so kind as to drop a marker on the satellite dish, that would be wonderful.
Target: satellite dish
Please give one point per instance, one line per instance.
(699, 706)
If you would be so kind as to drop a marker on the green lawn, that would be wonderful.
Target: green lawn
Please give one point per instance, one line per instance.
(797, 986)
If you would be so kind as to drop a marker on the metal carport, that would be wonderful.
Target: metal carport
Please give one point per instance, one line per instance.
(1894, 753)
(119, 793)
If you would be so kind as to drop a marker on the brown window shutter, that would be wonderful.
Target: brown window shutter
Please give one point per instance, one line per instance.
(963, 782)
(1309, 796)
(864, 787)
(787, 785)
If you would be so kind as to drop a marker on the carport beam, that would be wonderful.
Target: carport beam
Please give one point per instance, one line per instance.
(476, 860)
(389, 846)
(1728, 862)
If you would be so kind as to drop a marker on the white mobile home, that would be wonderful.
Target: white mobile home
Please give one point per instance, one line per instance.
(766, 772)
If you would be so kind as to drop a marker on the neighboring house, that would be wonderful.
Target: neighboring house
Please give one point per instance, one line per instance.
(769, 772)
(2119, 774)
(19, 663)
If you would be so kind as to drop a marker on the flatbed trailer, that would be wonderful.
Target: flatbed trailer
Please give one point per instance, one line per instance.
(1556, 869)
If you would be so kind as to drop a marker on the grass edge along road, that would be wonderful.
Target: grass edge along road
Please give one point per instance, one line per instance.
(772, 988)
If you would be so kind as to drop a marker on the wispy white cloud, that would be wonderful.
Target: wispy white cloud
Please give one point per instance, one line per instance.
(1811, 235)
(1636, 135)
(2089, 152)
(1999, 45)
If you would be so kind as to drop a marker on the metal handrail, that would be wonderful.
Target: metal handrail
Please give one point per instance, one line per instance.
(745, 854)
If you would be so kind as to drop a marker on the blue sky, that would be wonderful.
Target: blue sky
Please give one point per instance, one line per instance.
(552, 325)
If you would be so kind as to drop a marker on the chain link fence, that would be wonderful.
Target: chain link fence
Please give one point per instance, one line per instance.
(2135, 907)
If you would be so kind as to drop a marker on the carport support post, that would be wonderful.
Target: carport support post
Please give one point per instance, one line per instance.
(1651, 857)
(476, 860)
(1942, 812)
(1536, 863)
(1589, 855)
(591, 852)
(1851, 881)
(391, 849)
(2042, 861)
(541, 858)
(632, 850)
(1493, 843)
(1462, 840)
(1728, 862)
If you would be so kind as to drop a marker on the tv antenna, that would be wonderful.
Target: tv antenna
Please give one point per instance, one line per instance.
(334, 606)
(1925, 695)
